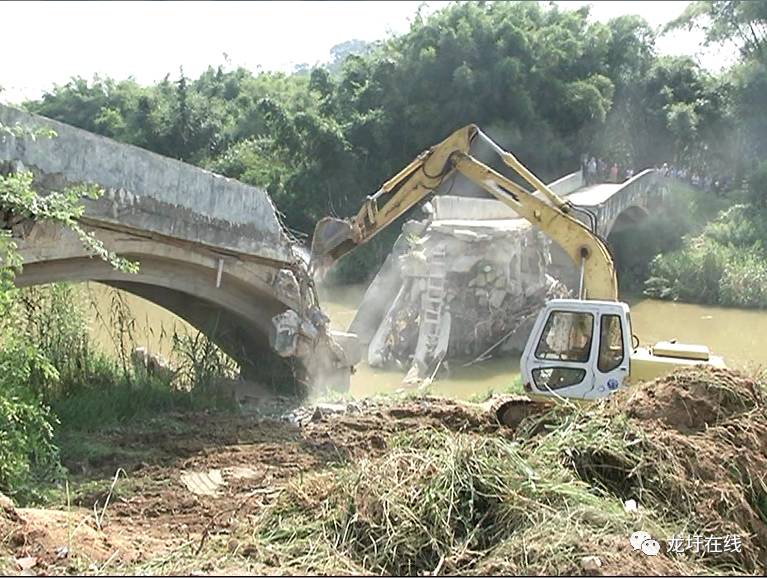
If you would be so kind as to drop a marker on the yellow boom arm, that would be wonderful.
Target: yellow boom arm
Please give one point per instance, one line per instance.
(334, 238)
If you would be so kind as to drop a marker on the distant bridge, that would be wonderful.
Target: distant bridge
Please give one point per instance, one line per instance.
(210, 249)
(608, 206)
(614, 206)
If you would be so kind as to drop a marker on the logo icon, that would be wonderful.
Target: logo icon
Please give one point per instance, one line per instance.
(644, 542)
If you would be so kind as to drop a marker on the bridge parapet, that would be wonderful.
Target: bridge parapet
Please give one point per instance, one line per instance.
(568, 184)
(644, 190)
(145, 191)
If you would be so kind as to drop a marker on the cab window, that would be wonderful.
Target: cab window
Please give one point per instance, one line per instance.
(566, 336)
(610, 343)
(557, 377)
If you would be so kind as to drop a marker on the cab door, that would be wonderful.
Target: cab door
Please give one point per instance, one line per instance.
(558, 358)
(613, 357)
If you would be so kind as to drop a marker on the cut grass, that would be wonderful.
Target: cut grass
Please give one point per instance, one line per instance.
(442, 503)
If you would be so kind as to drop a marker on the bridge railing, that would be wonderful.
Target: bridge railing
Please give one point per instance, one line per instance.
(568, 184)
(644, 189)
(145, 191)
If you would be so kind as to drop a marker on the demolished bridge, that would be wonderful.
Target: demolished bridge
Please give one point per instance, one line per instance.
(468, 280)
(210, 249)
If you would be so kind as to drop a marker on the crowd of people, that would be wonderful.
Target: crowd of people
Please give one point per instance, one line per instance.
(597, 170)
(698, 178)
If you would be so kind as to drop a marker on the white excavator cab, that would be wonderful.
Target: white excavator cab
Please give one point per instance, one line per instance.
(578, 349)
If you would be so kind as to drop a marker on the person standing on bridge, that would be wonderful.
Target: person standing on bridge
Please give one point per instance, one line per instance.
(614, 173)
(592, 172)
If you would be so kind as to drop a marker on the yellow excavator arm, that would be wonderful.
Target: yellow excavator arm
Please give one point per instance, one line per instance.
(333, 238)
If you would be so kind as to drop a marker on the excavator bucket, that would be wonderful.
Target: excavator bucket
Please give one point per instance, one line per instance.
(332, 239)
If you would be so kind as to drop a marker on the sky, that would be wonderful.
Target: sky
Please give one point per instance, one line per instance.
(47, 43)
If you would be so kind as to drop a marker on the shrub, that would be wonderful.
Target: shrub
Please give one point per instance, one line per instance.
(725, 264)
(26, 424)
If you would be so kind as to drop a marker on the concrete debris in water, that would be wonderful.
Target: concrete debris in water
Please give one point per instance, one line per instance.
(467, 288)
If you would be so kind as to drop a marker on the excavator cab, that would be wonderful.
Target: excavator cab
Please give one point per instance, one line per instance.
(578, 349)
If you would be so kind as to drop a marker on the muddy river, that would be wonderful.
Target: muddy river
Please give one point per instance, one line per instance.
(736, 334)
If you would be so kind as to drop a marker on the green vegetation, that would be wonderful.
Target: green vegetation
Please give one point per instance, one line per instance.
(55, 383)
(53, 380)
(686, 210)
(725, 264)
(35, 355)
(549, 84)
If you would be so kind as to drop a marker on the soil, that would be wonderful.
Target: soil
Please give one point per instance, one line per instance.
(152, 513)
(706, 440)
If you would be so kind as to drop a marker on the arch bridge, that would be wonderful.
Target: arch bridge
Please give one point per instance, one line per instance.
(210, 249)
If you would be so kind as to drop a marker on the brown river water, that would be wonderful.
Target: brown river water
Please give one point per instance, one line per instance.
(739, 335)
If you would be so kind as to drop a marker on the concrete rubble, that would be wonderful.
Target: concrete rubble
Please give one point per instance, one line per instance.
(326, 355)
(466, 283)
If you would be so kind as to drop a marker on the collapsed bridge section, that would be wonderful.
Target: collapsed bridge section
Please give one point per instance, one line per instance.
(468, 280)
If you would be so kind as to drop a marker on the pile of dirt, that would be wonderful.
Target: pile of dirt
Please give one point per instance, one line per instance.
(423, 485)
(9, 518)
(364, 428)
(36, 540)
(694, 399)
(690, 447)
(153, 509)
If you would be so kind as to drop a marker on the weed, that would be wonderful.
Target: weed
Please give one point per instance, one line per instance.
(99, 517)
(201, 364)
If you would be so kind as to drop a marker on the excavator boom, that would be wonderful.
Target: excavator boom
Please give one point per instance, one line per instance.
(333, 238)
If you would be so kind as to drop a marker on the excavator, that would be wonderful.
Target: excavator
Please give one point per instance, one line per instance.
(579, 349)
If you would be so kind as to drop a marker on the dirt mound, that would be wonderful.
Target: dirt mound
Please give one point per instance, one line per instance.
(692, 399)
(690, 446)
(364, 427)
(54, 541)
(9, 521)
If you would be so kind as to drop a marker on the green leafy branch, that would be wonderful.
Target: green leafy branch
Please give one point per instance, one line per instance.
(64, 208)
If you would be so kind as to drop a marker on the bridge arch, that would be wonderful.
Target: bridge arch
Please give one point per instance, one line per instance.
(235, 308)
(628, 217)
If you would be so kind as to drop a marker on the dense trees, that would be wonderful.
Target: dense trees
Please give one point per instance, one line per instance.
(549, 84)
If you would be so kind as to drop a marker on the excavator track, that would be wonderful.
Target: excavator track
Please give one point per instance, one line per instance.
(511, 410)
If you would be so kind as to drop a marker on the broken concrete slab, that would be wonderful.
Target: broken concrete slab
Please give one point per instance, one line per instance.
(203, 483)
(466, 286)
